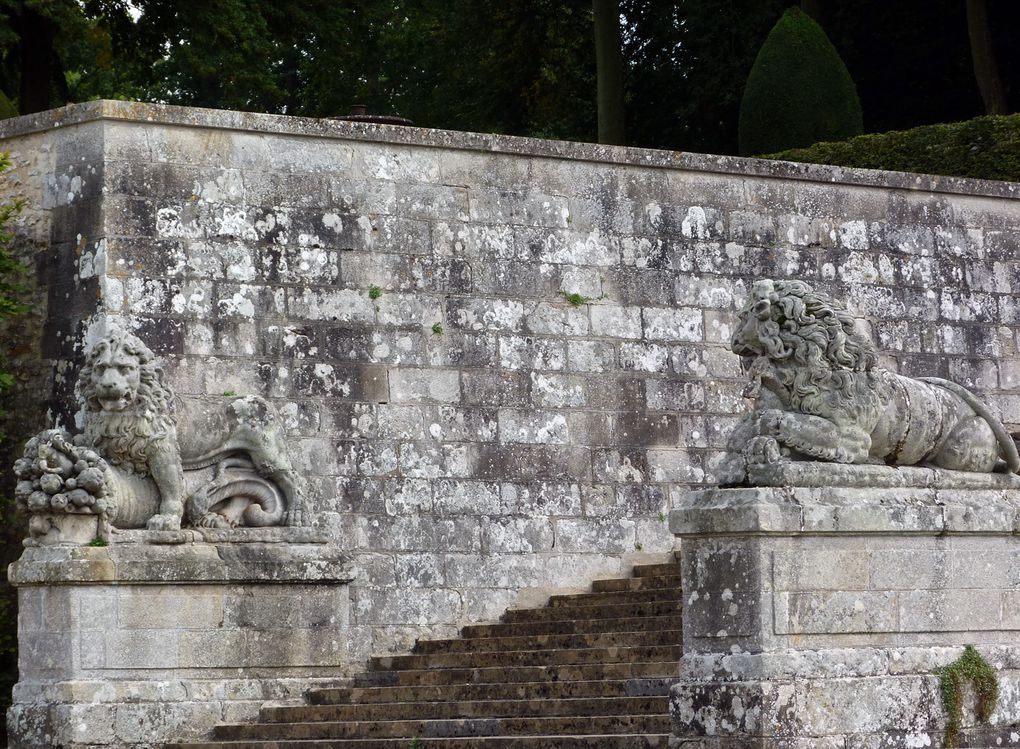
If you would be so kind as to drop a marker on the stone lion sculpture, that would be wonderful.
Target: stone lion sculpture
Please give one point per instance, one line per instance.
(822, 396)
(135, 466)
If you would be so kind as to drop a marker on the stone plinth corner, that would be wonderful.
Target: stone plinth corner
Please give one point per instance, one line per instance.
(820, 616)
(160, 636)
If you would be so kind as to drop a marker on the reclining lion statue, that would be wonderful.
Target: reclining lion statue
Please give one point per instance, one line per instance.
(822, 396)
(136, 467)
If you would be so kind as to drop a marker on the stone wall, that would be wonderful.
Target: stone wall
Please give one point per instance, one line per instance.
(500, 361)
(825, 615)
(137, 644)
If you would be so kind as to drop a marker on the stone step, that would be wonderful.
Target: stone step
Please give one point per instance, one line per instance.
(550, 642)
(658, 705)
(587, 670)
(617, 741)
(543, 690)
(656, 570)
(571, 627)
(598, 611)
(580, 672)
(513, 658)
(427, 729)
(644, 595)
(636, 583)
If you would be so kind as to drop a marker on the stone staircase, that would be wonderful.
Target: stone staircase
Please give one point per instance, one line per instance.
(588, 670)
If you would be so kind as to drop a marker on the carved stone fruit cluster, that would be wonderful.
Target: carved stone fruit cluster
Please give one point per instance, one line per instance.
(56, 475)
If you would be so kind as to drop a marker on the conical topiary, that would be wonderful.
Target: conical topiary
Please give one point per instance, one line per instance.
(799, 91)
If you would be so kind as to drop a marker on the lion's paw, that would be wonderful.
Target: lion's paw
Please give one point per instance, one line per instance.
(762, 450)
(770, 422)
(164, 523)
(213, 520)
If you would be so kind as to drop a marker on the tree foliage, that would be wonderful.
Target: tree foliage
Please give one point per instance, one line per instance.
(799, 91)
(10, 305)
(525, 68)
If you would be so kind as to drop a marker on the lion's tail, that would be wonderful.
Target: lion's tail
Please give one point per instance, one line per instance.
(1004, 438)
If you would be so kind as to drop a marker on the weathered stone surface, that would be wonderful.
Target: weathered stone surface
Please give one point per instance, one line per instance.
(824, 614)
(244, 249)
(144, 648)
(831, 403)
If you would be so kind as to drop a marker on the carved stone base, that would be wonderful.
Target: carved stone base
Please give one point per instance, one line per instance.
(815, 473)
(137, 643)
(819, 617)
(71, 528)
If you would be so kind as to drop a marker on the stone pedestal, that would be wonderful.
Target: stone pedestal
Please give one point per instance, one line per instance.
(160, 636)
(819, 617)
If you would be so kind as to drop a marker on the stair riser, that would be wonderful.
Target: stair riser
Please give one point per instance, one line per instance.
(458, 709)
(471, 692)
(636, 583)
(446, 728)
(620, 741)
(617, 597)
(592, 613)
(514, 675)
(656, 570)
(567, 627)
(527, 658)
(550, 642)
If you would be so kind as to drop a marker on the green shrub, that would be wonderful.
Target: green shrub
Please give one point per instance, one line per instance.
(984, 148)
(11, 304)
(799, 91)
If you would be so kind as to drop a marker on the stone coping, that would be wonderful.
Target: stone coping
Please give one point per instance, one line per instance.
(829, 663)
(817, 474)
(163, 114)
(192, 562)
(829, 510)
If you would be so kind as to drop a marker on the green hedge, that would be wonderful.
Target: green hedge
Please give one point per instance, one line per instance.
(798, 92)
(985, 148)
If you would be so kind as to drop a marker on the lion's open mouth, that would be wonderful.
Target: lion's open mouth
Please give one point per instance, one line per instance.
(114, 402)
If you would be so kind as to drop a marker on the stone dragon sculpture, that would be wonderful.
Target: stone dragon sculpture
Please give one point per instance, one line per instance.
(138, 465)
(820, 395)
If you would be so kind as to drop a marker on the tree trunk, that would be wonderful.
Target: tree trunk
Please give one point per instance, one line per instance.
(985, 69)
(609, 67)
(38, 60)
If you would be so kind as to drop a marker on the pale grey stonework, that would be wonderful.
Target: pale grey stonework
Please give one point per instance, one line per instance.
(472, 438)
(821, 616)
(160, 636)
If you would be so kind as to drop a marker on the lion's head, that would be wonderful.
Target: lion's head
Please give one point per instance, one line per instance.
(804, 346)
(128, 405)
(791, 324)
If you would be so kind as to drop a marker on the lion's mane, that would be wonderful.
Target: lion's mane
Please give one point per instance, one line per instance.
(126, 439)
(826, 365)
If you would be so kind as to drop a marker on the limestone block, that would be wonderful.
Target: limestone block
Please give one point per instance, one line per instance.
(199, 607)
(683, 324)
(520, 352)
(517, 535)
(614, 321)
(415, 605)
(836, 612)
(142, 648)
(590, 356)
(601, 536)
(428, 385)
(467, 497)
(820, 569)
